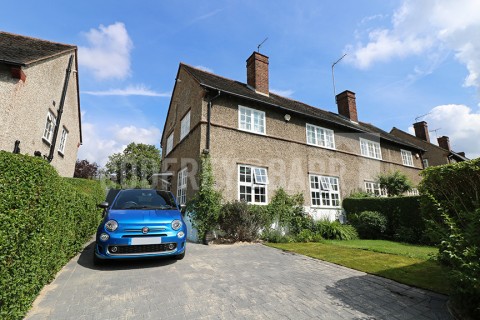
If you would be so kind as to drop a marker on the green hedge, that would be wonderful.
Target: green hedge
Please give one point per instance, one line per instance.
(451, 206)
(404, 218)
(44, 221)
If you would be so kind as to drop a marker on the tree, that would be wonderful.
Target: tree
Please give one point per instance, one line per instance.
(84, 169)
(136, 163)
(205, 206)
(395, 183)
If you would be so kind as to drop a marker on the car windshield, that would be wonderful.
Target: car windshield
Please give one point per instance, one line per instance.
(144, 199)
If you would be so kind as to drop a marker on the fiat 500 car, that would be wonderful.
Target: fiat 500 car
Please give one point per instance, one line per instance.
(140, 223)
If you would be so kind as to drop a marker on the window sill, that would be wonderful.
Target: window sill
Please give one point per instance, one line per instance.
(253, 132)
(322, 147)
(61, 154)
(46, 141)
(380, 159)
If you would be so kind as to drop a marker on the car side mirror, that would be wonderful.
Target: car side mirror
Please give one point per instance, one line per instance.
(103, 205)
(183, 208)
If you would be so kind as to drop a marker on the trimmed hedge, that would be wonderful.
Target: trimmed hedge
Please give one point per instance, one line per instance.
(44, 221)
(402, 213)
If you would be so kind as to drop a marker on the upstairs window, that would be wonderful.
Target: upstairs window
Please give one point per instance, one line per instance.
(370, 149)
(407, 158)
(325, 191)
(185, 126)
(374, 188)
(169, 143)
(49, 127)
(319, 136)
(425, 163)
(63, 141)
(252, 184)
(251, 120)
(182, 186)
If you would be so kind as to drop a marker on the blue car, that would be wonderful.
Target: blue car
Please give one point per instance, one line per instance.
(140, 223)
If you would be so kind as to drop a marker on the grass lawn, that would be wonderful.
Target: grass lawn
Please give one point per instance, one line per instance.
(403, 263)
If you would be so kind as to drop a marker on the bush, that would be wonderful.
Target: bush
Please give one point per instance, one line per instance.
(276, 236)
(242, 222)
(307, 235)
(44, 221)
(370, 225)
(402, 213)
(287, 211)
(334, 230)
(451, 205)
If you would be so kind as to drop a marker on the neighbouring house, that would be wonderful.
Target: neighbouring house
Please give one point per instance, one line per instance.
(39, 100)
(260, 141)
(434, 155)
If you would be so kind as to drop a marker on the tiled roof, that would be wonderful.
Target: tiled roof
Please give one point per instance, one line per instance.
(20, 50)
(240, 89)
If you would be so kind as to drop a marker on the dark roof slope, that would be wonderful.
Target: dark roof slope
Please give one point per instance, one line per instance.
(240, 89)
(20, 50)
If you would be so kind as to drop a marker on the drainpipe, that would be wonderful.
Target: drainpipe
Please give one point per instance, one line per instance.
(209, 115)
(60, 109)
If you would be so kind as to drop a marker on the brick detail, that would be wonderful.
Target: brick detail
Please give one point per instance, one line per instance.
(421, 130)
(18, 73)
(444, 142)
(347, 105)
(257, 72)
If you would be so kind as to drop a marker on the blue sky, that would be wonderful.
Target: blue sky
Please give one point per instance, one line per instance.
(404, 58)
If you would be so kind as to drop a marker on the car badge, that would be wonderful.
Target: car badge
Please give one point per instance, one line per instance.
(145, 230)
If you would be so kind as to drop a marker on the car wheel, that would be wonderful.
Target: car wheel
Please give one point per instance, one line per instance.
(180, 256)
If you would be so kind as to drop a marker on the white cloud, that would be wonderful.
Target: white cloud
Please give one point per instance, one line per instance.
(425, 28)
(108, 53)
(204, 68)
(460, 123)
(138, 90)
(284, 93)
(99, 144)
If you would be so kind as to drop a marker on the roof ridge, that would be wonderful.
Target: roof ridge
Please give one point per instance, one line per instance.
(37, 39)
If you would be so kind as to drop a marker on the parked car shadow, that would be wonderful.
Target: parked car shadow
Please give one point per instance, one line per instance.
(86, 260)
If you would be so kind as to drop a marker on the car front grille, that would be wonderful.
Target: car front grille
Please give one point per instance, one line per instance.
(141, 249)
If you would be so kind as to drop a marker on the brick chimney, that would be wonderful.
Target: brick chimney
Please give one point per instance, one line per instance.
(347, 106)
(257, 73)
(444, 142)
(421, 130)
(461, 153)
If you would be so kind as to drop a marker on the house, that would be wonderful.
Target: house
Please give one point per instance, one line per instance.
(434, 155)
(260, 141)
(39, 100)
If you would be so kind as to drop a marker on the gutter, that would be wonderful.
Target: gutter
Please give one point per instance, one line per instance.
(209, 116)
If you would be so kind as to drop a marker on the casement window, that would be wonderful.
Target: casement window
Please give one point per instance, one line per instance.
(370, 149)
(374, 188)
(49, 127)
(169, 143)
(182, 186)
(425, 163)
(251, 120)
(407, 159)
(319, 136)
(185, 126)
(325, 191)
(63, 141)
(252, 184)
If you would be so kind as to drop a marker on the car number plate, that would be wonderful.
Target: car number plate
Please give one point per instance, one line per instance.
(146, 240)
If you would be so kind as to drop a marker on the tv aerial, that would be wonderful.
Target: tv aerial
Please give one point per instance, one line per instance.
(258, 47)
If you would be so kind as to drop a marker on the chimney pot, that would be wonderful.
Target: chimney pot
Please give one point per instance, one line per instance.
(257, 73)
(444, 142)
(347, 106)
(421, 131)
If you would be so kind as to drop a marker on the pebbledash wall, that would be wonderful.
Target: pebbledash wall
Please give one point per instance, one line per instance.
(24, 106)
(283, 150)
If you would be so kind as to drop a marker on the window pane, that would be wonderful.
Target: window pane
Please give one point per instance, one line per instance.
(311, 136)
(260, 175)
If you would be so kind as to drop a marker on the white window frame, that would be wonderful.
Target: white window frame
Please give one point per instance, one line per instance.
(324, 191)
(412, 192)
(63, 141)
(49, 127)
(185, 126)
(370, 149)
(251, 120)
(407, 158)
(425, 163)
(255, 180)
(374, 188)
(320, 137)
(182, 178)
(169, 144)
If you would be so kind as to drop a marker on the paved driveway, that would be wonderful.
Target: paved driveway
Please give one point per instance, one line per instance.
(242, 281)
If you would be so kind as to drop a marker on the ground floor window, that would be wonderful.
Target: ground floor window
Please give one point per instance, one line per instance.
(252, 184)
(182, 186)
(374, 188)
(325, 191)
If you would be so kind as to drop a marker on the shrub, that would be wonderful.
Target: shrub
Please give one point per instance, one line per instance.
(307, 235)
(44, 221)
(242, 222)
(276, 236)
(334, 230)
(395, 183)
(370, 225)
(287, 211)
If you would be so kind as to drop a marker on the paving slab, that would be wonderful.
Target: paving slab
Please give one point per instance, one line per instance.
(240, 281)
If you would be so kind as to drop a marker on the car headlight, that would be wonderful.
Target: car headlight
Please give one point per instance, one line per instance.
(180, 234)
(176, 224)
(111, 225)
